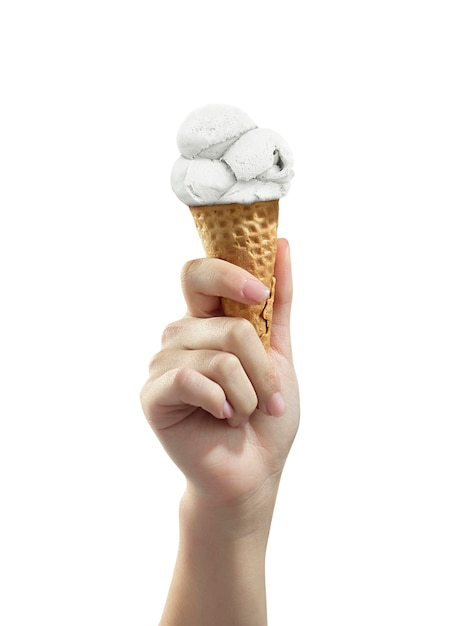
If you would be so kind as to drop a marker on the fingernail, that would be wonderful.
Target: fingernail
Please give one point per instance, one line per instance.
(255, 291)
(276, 405)
(227, 410)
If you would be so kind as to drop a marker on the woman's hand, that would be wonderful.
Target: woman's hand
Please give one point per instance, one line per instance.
(225, 410)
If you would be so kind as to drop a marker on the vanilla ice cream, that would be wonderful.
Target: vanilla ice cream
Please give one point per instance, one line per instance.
(225, 158)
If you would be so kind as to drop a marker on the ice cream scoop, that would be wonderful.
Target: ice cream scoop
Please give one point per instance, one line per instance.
(209, 130)
(225, 158)
(232, 174)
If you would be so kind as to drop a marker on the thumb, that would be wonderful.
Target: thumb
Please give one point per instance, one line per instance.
(280, 333)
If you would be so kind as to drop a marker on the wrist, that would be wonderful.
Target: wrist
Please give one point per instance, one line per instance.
(230, 520)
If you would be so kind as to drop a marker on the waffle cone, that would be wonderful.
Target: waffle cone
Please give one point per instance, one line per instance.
(246, 235)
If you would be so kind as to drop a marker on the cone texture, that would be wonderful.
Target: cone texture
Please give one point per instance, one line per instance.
(246, 235)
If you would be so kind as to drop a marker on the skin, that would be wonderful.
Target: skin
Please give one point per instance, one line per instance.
(226, 411)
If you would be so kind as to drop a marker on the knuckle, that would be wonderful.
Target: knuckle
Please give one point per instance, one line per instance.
(149, 397)
(188, 270)
(159, 363)
(183, 378)
(144, 399)
(154, 362)
(240, 331)
(170, 333)
(224, 365)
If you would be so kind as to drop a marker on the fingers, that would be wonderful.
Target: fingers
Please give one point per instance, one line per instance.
(205, 281)
(171, 397)
(218, 365)
(237, 341)
(280, 332)
(207, 379)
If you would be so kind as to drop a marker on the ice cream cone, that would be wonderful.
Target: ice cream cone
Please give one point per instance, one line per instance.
(246, 235)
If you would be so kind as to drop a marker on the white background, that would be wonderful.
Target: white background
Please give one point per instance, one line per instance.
(372, 522)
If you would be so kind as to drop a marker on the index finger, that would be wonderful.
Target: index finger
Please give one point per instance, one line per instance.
(205, 281)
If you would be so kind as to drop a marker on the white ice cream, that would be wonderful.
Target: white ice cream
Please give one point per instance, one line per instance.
(225, 158)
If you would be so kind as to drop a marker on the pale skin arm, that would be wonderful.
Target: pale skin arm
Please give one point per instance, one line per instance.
(227, 413)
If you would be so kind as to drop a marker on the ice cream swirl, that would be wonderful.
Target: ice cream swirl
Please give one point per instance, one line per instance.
(226, 158)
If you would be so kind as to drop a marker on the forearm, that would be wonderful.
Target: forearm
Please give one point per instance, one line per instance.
(219, 576)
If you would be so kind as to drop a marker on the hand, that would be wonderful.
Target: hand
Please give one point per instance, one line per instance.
(225, 410)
